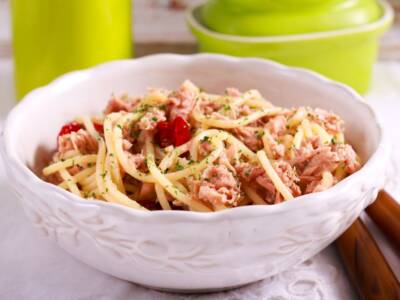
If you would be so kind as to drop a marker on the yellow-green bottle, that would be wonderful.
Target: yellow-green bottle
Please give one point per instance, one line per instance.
(51, 37)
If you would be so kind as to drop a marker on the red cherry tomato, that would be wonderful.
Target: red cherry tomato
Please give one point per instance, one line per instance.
(99, 128)
(174, 133)
(163, 135)
(181, 131)
(70, 127)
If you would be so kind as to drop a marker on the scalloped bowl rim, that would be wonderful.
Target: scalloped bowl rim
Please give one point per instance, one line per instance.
(69, 79)
(386, 18)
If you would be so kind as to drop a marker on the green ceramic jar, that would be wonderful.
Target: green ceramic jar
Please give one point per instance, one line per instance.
(51, 37)
(277, 17)
(346, 55)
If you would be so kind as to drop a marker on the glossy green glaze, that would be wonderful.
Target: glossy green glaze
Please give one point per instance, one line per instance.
(277, 17)
(344, 55)
(51, 37)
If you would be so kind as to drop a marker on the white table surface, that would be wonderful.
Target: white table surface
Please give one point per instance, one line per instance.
(32, 267)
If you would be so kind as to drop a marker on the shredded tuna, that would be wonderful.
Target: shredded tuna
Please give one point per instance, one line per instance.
(320, 184)
(224, 160)
(256, 175)
(248, 137)
(147, 192)
(230, 153)
(54, 178)
(218, 186)
(74, 170)
(232, 92)
(276, 125)
(277, 150)
(139, 160)
(119, 104)
(347, 154)
(248, 172)
(302, 156)
(219, 116)
(288, 176)
(322, 159)
(269, 192)
(245, 110)
(208, 107)
(80, 141)
(126, 145)
(151, 118)
(330, 121)
(181, 102)
(219, 176)
(205, 148)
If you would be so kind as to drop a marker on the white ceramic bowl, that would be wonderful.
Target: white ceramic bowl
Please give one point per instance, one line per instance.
(188, 251)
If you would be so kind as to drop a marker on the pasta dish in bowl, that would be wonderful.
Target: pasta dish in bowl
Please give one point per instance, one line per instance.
(190, 150)
(124, 183)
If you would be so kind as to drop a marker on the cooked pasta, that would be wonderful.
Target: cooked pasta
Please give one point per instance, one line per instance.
(190, 150)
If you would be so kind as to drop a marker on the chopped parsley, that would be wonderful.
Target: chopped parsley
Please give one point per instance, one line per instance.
(226, 107)
(260, 133)
(205, 139)
(142, 108)
(119, 126)
(178, 167)
(155, 119)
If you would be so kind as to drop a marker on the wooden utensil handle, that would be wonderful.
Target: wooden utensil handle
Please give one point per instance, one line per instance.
(366, 265)
(385, 212)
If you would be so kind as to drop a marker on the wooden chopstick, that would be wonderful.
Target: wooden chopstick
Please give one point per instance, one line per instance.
(385, 212)
(365, 264)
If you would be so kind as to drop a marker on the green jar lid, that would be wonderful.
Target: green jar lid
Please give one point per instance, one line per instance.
(281, 17)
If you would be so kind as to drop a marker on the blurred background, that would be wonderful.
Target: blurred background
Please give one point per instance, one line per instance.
(159, 26)
(54, 37)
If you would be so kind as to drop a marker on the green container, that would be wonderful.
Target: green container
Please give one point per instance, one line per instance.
(51, 37)
(346, 55)
(277, 17)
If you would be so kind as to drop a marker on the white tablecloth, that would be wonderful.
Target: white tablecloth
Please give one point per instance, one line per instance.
(32, 267)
